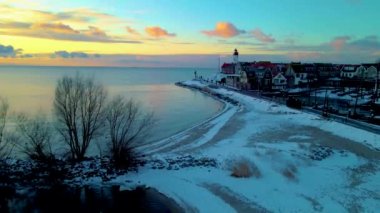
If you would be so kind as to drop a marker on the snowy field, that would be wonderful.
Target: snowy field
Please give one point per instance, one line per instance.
(296, 162)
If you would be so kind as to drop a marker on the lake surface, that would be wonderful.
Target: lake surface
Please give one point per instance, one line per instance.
(31, 89)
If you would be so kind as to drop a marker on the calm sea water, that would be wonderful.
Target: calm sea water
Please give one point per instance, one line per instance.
(31, 89)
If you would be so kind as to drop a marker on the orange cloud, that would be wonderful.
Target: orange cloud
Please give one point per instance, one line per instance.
(261, 36)
(224, 30)
(131, 30)
(158, 32)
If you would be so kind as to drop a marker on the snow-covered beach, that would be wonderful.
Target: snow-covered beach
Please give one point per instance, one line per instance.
(252, 156)
(298, 162)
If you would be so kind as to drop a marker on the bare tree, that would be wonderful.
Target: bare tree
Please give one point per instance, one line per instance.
(79, 109)
(127, 125)
(36, 132)
(4, 106)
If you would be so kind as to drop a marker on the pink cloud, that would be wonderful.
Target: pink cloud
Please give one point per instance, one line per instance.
(132, 31)
(261, 36)
(224, 30)
(339, 42)
(158, 32)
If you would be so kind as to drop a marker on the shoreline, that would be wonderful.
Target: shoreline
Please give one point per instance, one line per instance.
(192, 126)
(283, 144)
(226, 107)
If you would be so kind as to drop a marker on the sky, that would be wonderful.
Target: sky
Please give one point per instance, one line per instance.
(187, 33)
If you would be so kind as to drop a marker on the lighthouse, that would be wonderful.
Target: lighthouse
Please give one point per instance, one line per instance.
(236, 56)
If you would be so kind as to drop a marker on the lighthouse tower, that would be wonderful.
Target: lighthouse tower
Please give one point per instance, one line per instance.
(236, 56)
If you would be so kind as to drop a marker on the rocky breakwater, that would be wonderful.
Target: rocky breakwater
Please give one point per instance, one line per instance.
(208, 89)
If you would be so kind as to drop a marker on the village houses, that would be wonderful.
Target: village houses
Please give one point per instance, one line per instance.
(268, 76)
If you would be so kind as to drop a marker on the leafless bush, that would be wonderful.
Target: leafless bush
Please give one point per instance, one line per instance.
(244, 168)
(79, 109)
(290, 172)
(127, 125)
(4, 106)
(36, 133)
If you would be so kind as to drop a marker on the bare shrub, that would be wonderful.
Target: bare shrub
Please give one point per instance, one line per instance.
(303, 146)
(127, 125)
(79, 109)
(290, 172)
(36, 133)
(244, 168)
(4, 107)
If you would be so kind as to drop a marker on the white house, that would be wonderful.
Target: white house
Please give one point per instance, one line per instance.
(371, 71)
(279, 82)
(298, 74)
(350, 71)
(365, 71)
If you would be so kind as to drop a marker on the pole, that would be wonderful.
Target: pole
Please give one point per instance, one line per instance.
(315, 97)
(219, 64)
(357, 96)
(377, 84)
(324, 113)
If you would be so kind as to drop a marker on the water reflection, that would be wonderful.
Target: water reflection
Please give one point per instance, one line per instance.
(30, 89)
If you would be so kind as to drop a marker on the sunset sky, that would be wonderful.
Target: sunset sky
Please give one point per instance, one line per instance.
(187, 33)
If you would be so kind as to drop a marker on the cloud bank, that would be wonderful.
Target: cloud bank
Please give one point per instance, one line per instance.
(66, 54)
(60, 31)
(9, 51)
